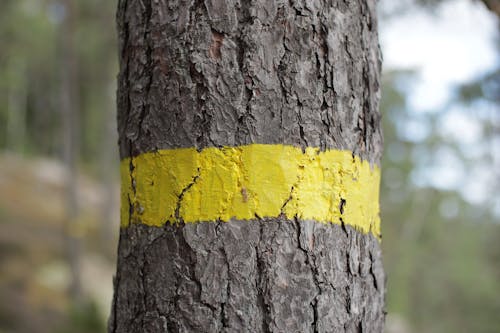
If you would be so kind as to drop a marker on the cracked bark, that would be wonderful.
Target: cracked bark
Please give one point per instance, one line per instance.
(199, 73)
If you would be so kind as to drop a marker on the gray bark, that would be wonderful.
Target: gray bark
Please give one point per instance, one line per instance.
(227, 73)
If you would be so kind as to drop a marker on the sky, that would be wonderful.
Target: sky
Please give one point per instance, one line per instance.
(448, 45)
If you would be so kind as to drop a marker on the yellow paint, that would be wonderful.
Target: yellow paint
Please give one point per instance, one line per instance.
(248, 181)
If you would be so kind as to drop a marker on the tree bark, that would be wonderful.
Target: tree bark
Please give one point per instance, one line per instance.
(220, 73)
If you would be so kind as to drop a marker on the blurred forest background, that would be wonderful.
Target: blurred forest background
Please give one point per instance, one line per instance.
(59, 165)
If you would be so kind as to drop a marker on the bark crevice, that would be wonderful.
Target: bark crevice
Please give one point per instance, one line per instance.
(183, 192)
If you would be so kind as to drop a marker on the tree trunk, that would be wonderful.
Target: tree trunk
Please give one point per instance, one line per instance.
(17, 98)
(249, 135)
(70, 135)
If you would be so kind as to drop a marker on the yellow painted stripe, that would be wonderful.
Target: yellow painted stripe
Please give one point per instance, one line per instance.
(248, 181)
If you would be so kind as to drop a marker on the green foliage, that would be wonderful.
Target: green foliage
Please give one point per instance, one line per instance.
(486, 87)
(83, 318)
(441, 252)
(31, 71)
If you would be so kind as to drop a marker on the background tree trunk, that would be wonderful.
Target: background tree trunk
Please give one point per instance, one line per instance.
(220, 73)
(70, 114)
(16, 107)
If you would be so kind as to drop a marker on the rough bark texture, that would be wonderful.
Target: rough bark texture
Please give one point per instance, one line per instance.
(225, 73)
